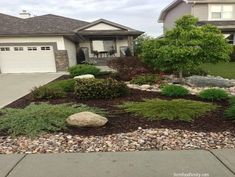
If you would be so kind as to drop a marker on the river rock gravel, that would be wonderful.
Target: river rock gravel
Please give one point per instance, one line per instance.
(139, 140)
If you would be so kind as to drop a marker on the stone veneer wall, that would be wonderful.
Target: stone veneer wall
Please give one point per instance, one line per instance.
(62, 60)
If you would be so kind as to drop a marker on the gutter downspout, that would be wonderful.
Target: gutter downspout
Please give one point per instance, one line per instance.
(193, 9)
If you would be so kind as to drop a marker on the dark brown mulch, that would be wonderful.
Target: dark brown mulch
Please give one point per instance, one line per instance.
(121, 122)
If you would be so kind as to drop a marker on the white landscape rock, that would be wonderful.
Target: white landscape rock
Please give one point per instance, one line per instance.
(86, 76)
(232, 90)
(86, 119)
(145, 87)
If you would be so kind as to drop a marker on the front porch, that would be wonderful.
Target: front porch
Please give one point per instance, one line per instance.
(106, 47)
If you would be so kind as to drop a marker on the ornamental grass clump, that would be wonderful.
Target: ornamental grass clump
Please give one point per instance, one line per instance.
(230, 112)
(214, 94)
(174, 91)
(82, 69)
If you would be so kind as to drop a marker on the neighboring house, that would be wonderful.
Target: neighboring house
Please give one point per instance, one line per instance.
(217, 12)
(49, 43)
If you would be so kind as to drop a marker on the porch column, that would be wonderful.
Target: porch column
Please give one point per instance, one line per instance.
(131, 44)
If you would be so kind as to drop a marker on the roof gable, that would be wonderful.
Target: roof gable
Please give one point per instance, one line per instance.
(103, 24)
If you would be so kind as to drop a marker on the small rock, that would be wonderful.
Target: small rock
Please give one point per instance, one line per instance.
(145, 87)
(86, 119)
(86, 76)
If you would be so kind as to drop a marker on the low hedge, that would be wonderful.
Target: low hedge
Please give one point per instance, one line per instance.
(82, 69)
(99, 89)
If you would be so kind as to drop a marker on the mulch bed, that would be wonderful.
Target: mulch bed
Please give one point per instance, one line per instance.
(123, 122)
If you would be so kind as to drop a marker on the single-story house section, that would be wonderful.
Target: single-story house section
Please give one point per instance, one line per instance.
(50, 43)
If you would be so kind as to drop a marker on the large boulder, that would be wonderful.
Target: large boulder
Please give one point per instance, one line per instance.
(86, 119)
(209, 81)
(85, 76)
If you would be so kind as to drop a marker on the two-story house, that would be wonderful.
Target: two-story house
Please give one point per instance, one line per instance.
(217, 12)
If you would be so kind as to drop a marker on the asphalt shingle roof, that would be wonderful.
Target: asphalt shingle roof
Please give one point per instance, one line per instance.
(45, 24)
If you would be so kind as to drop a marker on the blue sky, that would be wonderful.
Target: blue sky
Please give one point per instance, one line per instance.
(138, 14)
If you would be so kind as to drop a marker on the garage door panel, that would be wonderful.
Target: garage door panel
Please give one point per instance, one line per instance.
(27, 61)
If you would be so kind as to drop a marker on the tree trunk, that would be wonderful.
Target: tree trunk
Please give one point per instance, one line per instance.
(181, 76)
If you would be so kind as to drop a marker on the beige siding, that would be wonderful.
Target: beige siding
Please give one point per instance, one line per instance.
(177, 12)
(103, 26)
(200, 11)
(71, 49)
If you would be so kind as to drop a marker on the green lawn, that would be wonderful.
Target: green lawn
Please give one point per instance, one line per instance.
(226, 70)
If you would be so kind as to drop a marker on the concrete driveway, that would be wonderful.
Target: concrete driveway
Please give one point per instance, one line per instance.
(15, 86)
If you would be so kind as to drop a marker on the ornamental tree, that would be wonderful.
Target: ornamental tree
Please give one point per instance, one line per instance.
(186, 47)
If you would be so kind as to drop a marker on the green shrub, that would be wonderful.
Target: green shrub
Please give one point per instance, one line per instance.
(214, 94)
(145, 79)
(174, 91)
(36, 119)
(65, 85)
(232, 56)
(232, 100)
(44, 92)
(179, 109)
(128, 52)
(99, 88)
(198, 71)
(230, 112)
(83, 69)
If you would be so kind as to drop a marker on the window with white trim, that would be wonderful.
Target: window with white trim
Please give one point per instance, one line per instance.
(18, 48)
(46, 48)
(221, 12)
(3, 49)
(32, 48)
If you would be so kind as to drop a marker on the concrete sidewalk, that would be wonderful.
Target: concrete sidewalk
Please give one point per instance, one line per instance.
(218, 163)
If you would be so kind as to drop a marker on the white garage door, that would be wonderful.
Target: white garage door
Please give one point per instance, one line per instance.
(27, 59)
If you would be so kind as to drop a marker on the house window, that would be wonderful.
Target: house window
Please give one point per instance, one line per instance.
(18, 48)
(221, 12)
(229, 38)
(45, 48)
(104, 45)
(5, 49)
(32, 48)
